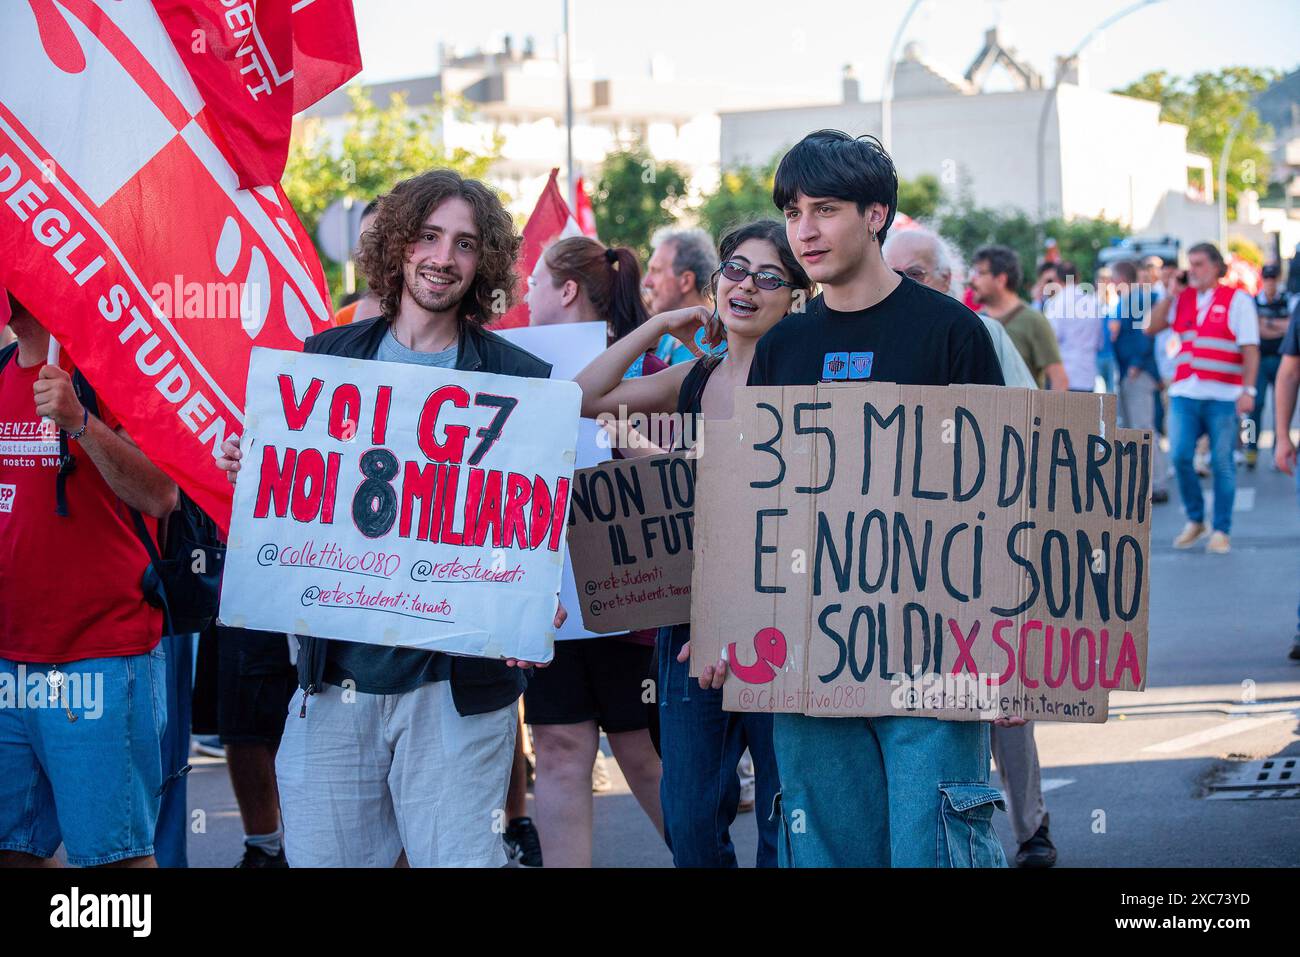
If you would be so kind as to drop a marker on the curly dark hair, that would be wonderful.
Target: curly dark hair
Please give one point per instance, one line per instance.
(384, 247)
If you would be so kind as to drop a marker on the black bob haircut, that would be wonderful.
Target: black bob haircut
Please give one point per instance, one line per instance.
(833, 164)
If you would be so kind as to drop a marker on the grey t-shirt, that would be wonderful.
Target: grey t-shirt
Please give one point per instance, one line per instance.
(376, 669)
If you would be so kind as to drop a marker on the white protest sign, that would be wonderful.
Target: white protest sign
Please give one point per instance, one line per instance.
(396, 504)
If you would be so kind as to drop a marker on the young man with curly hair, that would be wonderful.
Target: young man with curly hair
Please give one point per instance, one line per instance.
(386, 749)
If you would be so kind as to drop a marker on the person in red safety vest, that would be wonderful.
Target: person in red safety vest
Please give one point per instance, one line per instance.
(1219, 331)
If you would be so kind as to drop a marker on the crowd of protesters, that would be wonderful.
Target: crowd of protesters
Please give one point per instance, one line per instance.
(354, 754)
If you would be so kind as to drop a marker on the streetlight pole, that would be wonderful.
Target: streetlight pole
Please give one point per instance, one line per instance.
(1049, 101)
(887, 88)
(568, 108)
(1223, 184)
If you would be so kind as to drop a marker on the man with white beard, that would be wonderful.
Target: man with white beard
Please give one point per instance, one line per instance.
(925, 257)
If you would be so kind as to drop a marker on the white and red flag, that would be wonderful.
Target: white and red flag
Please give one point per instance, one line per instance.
(123, 227)
(551, 219)
(257, 64)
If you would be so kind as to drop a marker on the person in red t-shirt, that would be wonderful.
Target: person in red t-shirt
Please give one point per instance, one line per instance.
(82, 676)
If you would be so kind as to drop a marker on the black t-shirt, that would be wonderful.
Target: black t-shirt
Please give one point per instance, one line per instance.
(1291, 341)
(1275, 309)
(914, 336)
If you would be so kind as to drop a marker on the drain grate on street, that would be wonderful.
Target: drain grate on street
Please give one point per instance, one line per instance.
(1258, 780)
(1254, 794)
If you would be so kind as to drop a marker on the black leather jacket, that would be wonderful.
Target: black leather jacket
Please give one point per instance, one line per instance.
(478, 685)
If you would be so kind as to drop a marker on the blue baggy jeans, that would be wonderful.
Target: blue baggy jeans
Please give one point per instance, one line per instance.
(897, 791)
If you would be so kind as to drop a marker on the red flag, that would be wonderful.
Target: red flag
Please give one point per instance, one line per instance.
(585, 215)
(124, 231)
(258, 64)
(551, 220)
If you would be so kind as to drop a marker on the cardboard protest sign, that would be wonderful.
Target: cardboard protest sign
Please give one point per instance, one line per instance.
(631, 539)
(397, 504)
(962, 552)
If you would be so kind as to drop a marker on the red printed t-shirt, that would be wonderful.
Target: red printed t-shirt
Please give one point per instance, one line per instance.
(69, 587)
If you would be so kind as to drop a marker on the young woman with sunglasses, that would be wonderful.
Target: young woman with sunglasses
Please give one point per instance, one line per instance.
(758, 283)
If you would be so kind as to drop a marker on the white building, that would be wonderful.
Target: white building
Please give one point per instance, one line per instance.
(1103, 155)
(519, 94)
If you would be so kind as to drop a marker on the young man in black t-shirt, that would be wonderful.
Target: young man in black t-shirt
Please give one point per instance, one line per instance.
(872, 791)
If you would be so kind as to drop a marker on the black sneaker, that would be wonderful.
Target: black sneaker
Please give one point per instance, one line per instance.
(256, 857)
(1160, 496)
(1038, 851)
(1295, 649)
(522, 843)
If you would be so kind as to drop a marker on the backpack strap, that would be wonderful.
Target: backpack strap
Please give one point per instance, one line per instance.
(156, 563)
(67, 461)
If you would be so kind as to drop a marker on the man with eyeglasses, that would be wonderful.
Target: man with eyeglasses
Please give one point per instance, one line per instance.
(923, 256)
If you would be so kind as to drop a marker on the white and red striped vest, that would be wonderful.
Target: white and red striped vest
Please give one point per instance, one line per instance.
(1209, 350)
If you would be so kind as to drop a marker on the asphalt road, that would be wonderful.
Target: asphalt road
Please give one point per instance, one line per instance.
(1130, 792)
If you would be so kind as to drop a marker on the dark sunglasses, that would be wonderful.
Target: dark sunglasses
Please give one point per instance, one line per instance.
(763, 280)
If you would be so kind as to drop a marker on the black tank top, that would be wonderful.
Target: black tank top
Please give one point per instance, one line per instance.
(688, 399)
(692, 391)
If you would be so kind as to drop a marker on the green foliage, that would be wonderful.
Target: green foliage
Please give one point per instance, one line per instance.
(920, 198)
(1210, 105)
(634, 196)
(1247, 250)
(743, 195)
(968, 227)
(380, 148)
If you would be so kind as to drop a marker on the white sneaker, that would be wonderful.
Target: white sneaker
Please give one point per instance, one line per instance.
(1219, 544)
(600, 781)
(1191, 534)
(745, 769)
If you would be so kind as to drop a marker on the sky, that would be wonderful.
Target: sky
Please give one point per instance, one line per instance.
(710, 41)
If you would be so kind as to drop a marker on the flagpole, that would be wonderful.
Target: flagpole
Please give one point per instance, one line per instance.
(51, 359)
(568, 105)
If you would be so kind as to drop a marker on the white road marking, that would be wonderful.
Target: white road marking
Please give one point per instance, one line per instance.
(1048, 784)
(1209, 707)
(1237, 726)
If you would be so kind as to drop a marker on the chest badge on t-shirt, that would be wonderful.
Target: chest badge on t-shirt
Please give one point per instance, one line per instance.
(860, 365)
(835, 365)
